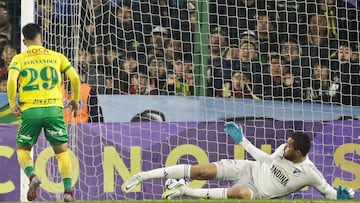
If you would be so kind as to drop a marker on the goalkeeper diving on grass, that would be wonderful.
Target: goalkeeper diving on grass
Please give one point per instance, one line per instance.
(283, 172)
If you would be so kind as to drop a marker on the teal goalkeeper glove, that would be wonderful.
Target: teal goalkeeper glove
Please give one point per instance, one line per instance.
(235, 131)
(346, 193)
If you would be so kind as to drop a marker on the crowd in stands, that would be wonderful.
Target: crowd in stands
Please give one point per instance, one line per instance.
(288, 50)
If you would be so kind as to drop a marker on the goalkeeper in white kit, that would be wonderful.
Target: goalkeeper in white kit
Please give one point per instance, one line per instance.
(285, 171)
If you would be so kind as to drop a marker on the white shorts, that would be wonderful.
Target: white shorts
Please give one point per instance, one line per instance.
(238, 172)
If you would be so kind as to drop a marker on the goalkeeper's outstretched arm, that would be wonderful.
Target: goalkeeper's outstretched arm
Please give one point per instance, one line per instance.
(236, 133)
(320, 184)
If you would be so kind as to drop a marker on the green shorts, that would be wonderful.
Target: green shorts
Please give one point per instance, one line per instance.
(51, 119)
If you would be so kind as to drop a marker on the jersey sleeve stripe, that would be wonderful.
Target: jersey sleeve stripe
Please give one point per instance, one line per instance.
(13, 68)
(67, 68)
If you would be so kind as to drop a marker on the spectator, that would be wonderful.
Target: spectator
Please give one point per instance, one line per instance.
(356, 53)
(95, 22)
(179, 66)
(127, 67)
(172, 47)
(173, 86)
(319, 42)
(291, 18)
(188, 62)
(7, 54)
(278, 83)
(189, 81)
(126, 31)
(112, 54)
(242, 15)
(266, 35)
(160, 12)
(291, 57)
(89, 108)
(152, 52)
(94, 72)
(3, 40)
(342, 17)
(85, 59)
(237, 88)
(112, 61)
(52, 27)
(6, 28)
(345, 75)
(318, 88)
(222, 72)
(248, 56)
(249, 36)
(112, 85)
(140, 83)
(159, 37)
(3, 83)
(218, 42)
(99, 55)
(157, 72)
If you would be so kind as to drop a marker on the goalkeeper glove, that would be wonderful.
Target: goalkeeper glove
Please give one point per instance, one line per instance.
(346, 193)
(235, 131)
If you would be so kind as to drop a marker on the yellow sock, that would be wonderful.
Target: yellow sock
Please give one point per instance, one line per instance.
(65, 166)
(25, 161)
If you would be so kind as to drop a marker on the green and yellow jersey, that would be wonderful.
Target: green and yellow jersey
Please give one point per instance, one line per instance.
(38, 74)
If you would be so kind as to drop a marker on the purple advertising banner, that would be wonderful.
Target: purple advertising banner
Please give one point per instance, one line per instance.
(105, 154)
(9, 169)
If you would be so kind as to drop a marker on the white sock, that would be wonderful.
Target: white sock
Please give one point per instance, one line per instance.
(210, 193)
(177, 171)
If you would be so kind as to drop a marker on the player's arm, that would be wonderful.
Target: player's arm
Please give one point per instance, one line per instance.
(319, 183)
(13, 74)
(68, 69)
(236, 133)
(75, 83)
(70, 72)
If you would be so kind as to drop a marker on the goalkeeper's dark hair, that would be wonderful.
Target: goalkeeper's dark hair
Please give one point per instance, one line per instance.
(31, 30)
(302, 142)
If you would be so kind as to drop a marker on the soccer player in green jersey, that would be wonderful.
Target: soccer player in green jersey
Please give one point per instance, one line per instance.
(36, 73)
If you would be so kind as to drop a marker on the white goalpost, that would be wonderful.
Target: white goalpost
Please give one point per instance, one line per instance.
(27, 16)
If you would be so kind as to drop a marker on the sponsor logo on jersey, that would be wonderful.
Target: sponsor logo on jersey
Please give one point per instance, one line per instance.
(24, 137)
(54, 133)
(296, 172)
(279, 175)
(36, 51)
(45, 101)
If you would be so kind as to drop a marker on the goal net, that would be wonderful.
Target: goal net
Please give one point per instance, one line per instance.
(166, 74)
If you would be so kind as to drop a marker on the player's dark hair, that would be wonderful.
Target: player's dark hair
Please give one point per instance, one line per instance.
(302, 142)
(31, 30)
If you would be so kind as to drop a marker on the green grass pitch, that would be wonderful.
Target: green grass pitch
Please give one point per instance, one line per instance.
(226, 201)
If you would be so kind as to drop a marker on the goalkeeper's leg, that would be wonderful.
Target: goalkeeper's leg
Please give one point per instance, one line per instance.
(198, 172)
(236, 192)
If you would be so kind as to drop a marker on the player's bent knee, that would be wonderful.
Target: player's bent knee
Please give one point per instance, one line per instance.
(203, 172)
(238, 193)
(60, 148)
